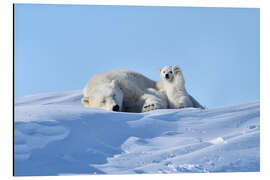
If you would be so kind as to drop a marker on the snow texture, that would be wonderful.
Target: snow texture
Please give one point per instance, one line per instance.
(55, 135)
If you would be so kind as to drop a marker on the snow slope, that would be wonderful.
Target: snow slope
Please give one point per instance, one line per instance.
(55, 135)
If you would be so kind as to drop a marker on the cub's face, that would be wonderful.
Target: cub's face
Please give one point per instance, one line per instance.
(166, 73)
(106, 96)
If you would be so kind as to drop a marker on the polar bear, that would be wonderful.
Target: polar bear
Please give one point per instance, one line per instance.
(174, 88)
(123, 90)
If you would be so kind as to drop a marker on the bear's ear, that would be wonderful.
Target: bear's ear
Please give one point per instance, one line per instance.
(114, 83)
(85, 100)
(160, 70)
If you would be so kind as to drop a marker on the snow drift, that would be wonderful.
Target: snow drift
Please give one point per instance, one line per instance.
(55, 135)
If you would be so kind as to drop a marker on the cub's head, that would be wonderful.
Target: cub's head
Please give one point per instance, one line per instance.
(168, 73)
(106, 96)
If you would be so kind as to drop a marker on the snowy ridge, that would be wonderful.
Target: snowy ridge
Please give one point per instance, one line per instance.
(55, 135)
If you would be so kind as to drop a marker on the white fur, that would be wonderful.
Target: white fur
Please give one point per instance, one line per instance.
(131, 91)
(174, 88)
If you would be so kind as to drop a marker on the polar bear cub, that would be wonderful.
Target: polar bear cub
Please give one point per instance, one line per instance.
(174, 88)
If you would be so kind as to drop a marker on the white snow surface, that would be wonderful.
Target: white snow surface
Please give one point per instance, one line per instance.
(55, 135)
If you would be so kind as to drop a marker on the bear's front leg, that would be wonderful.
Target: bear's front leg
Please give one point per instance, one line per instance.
(183, 102)
(152, 104)
(153, 100)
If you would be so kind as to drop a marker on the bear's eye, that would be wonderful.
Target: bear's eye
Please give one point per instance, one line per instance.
(103, 101)
(170, 71)
(114, 95)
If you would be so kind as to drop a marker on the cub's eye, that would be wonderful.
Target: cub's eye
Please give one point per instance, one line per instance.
(170, 71)
(103, 101)
(114, 95)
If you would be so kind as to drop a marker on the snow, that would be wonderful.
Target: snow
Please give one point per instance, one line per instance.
(55, 135)
(218, 140)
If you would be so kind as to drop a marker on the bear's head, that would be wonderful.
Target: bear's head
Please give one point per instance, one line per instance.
(168, 73)
(107, 96)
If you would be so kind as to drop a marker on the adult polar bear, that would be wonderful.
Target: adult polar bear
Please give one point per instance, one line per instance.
(123, 90)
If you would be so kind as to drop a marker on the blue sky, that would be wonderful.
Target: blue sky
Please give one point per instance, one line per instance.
(60, 47)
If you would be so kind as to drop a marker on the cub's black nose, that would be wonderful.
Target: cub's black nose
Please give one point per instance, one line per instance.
(167, 76)
(116, 108)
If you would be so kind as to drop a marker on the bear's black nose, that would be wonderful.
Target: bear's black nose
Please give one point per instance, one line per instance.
(167, 76)
(115, 108)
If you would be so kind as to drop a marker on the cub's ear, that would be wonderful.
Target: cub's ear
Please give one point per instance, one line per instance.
(160, 70)
(85, 100)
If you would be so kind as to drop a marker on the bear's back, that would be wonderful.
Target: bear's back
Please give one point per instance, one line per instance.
(124, 77)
